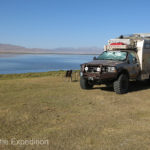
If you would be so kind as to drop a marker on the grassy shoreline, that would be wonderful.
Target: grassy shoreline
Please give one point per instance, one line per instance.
(32, 74)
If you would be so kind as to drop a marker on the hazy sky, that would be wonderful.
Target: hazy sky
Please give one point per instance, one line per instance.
(70, 23)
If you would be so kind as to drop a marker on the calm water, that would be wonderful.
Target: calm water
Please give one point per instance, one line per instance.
(40, 62)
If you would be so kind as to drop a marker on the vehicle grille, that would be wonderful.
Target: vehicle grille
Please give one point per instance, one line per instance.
(92, 69)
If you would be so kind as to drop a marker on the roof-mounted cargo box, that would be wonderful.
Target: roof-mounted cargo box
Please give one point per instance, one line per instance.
(125, 41)
(118, 47)
(115, 44)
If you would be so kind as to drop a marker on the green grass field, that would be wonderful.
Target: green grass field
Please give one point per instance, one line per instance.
(49, 107)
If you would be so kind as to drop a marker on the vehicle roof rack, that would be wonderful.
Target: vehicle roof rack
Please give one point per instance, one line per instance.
(136, 36)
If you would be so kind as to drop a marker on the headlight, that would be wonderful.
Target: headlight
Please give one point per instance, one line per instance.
(98, 69)
(111, 69)
(86, 68)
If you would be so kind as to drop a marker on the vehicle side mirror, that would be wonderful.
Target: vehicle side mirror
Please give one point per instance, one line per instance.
(134, 60)
(94, 58)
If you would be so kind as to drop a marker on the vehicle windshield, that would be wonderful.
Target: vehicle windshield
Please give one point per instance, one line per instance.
(113, 55)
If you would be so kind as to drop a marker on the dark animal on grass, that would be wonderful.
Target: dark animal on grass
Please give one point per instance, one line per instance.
(68, 74)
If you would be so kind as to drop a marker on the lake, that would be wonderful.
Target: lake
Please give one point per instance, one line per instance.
(24, 63)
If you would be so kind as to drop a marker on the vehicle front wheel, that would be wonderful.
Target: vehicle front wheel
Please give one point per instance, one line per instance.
(121, 84)
(84, 84)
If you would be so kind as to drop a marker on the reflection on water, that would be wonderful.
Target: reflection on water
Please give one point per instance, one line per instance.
(23, 63)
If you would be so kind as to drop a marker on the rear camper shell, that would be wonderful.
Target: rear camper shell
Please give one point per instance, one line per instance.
(143, 51)
(139, 43)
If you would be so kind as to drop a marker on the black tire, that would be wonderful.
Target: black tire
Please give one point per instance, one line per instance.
(148, 80)
(121, 84)
(84, 84)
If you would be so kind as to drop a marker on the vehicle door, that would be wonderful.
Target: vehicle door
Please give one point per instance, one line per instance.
(133, 65)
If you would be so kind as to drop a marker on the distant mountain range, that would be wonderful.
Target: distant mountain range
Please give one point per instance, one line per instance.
(9, 49)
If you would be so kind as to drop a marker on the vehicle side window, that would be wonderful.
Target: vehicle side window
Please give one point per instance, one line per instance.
(147, 44)
(132, 58)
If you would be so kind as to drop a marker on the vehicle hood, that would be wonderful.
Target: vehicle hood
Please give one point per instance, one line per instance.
(104, 63)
